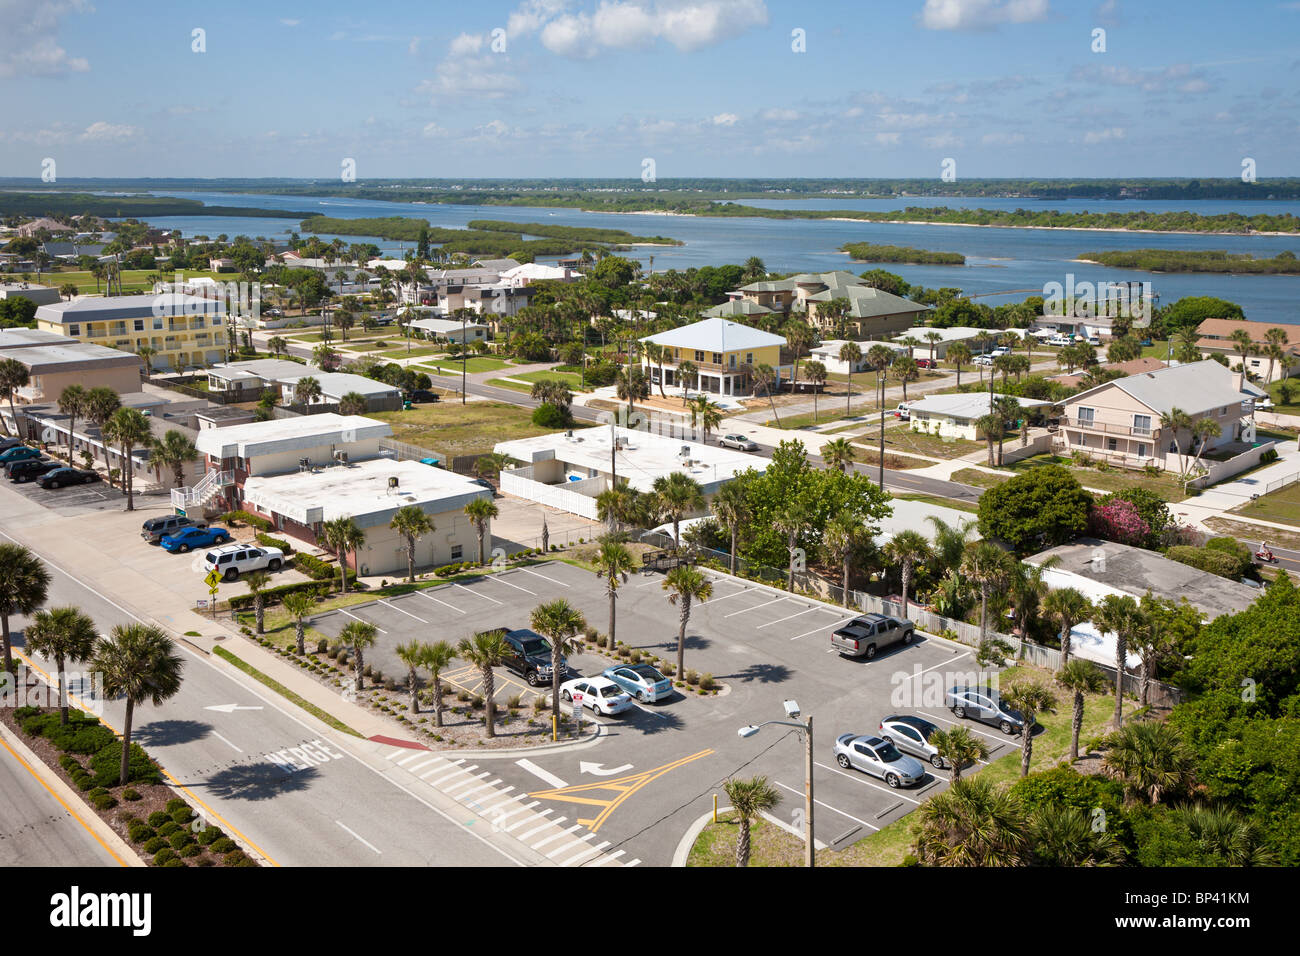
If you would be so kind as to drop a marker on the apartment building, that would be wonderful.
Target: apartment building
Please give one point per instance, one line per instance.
(52, 368)
(184, 331)
(872, 313)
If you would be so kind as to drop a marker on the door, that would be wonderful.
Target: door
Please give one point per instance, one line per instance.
(909, 740)
(864, 758)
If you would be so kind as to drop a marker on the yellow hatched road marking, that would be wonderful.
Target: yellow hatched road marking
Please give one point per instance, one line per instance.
(624, 786)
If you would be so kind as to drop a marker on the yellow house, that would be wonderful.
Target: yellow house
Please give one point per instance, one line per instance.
(183, 330)
(724, 354)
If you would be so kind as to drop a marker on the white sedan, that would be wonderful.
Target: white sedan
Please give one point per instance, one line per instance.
(738, 442)
(601, 694)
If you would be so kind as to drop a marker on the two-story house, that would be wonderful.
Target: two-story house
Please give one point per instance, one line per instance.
(872, 313)
(1214, 337)
(724, 354)
(183, 330)
(1121, 421)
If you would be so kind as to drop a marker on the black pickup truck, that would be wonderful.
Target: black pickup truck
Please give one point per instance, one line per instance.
(529, 655)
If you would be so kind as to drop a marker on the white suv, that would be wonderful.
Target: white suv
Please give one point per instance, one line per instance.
(235, 559)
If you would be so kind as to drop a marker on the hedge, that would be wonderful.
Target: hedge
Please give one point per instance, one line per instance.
(266, 541)
(322, 589)
(314, 567)
(244, 517)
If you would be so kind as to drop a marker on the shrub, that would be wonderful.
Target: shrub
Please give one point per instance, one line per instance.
(223, 845)
(707, 682)
(162, 856)
(174, 861)
(209, 836)
(235, 858)
(140, 831)
(266, 541)
(192, 850)
(669, 668)
(320, 588)
(131, 793)
(107, 766)
(205, 861)
(692, 677)
(182, 815)
(1268, 455)
(179, 839)
(1206, 559)
(321, 646)
(103, 801)
(154, 845)
(168, 828)
(243, 517)
(158, 818)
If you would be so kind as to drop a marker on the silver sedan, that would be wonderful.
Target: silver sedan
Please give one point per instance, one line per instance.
(878, 758)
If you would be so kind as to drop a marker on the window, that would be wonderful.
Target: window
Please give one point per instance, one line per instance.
(1142, 449)
(1112, 444)
(1142, 423)
(139, 325)
(74, 330)
(731, 360)
(699, 356)
(157, 322)
(456, 551)
(717, 358)
(1086, 415)
(749, 358)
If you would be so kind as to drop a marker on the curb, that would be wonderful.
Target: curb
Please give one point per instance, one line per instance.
(687, 842)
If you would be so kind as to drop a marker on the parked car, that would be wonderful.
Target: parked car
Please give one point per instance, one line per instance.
(60, 477)
(912, 736)
(9, 442)
(484, 483)
(601, 694)
(1000, 351)
(738, 442)
(235, 559)
(982, 360)
(154, 529)
(184, 540)
(869, 634)
(18, 453)
(423, 395)
(30, 468)
(1059, 341)
(878, 758)
(529, 655)
(642, 681)
(926, 363)
(985, 705)
(903, 411)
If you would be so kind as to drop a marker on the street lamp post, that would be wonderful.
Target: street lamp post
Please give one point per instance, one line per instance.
(806, 730)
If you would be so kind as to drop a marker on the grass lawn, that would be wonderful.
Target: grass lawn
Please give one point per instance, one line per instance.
(1282, 506)
(1113, 479)
(571, 379)
(132, 279)
(902, 438)
(283, 691)
(941, 502)
(769, 845)
(835, 413)
(477, 363)
(416, 351)
(1291, 407)
(1253, 532)
(454, 429)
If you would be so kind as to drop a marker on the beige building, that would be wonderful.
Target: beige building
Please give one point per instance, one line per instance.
(872, 313)
(52, 368)
(1215, 338)
(1120, 421)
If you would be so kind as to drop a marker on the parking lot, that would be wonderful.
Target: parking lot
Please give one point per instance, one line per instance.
(655, 768)
(77, 499)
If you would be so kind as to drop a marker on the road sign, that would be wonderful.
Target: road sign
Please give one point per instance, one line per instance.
(213, 579)
(202, 603)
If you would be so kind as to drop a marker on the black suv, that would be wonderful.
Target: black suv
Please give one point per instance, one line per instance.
(31, 468)
(424, 395)
(154, 529)
(529, 655)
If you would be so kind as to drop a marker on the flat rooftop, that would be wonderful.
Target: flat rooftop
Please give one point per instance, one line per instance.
(45, 358)
(912, 516)
(289, 434)
(361, 490)
(643, 457)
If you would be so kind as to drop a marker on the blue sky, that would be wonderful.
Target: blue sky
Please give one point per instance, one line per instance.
(704, 87)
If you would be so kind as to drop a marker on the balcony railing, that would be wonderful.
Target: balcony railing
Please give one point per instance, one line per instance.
(1088, 424)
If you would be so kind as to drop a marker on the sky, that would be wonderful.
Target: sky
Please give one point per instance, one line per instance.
(595, 88)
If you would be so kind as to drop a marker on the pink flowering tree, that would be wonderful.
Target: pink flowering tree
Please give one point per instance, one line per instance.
(1118, 521)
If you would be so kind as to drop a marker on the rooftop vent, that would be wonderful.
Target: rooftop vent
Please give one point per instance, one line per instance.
(304, 464)
(341, 457)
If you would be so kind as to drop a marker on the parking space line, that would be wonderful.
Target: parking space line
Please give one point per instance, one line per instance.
(999, 740)
(557, 836)
(636, 862)
(941, 664)
(389, 604)
(543, 577)
(787, 617)
(824, 627)
(746, 610)
(414, 756)
(866, 782)
(471, 591)
(493, 577)
(829, 807)
(436, 601)
(359, 838)
(363, 621)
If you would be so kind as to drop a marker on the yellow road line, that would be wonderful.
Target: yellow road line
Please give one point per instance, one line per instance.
(75, 815)
(176, 783)
(624, 786)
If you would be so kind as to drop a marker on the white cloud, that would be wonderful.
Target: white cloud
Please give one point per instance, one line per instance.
(433, 131)
(467, 44)
(470, 76)
(780, 115)
(626, 24)
(889, 139)
(1093, 137)
(101, 131)
(980, 14)
(895, 120)
(725, 119)
(943, 141)
(532, 15)
(289, 22)
(1002, 139)
(29, 43)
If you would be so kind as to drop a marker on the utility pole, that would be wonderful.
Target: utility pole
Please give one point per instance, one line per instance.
(810, 849)
(464, 357)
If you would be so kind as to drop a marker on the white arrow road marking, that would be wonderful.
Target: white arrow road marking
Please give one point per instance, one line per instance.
(230, 708)
(546, 775)
(599, 769)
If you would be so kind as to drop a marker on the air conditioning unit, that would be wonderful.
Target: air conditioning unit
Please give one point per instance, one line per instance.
(304, 464)
(341, 457)
(686, 451)
(393, 483)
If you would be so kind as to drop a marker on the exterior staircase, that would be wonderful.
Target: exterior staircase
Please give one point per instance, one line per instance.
(183, 499)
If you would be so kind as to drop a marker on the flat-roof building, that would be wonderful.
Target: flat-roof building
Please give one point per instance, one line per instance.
(53, 367)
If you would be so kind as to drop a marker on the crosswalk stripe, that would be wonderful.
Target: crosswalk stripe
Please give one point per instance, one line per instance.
(555, 822)
(558, 836)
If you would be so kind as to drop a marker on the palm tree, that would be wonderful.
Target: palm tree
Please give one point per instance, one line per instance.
(620, 506)
(988, 566)
(1030, 698)
(844, 534)
(676, 496)
(257, 583)
(950, 540)
(1224, 832)
(1121, 616)
(24, 586)
(851, 355)
(1245, 346)
(1066, 836)
(1079, 677)
(412, 654)
(306, 390)
(631, 386)
(353, 403)
(959, 354)
(65, 634)
(1006, 408)
(991, 426)
(437, 658)
(905, 371)
(1176, 421)
(958, 747)
(359, 635)
(299, 604)
(1027, 590)
(908, 548)
(411, 523)
(765, 379)
(278, 345)
(816, 373)
(13, 376)
(792, 521)
(485, 651)
(731, 508)
(101, 404)
(129, 428)
(614, 562)
(707, 413)
(342, 535)
(480, 512)
(491, 464)
(138, 662)
(1068, 607)
(559, 622)
(174, 450)
(1202, 431)
(685, 584)
(72, 402)
(838, 454)
(686, 372)
(1151, 758)
(972, 823)
(749, 798)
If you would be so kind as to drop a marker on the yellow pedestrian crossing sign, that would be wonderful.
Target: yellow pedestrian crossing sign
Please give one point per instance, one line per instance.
(213, 579)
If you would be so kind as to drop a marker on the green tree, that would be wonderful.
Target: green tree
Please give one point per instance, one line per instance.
(559, 622)
(959, 354)
(359, 635)
(13, 376)
(685, 584)
(1031, 699)
(353, 403)
(130, 429)
(299, 604)
(676, 496)
(851, 355)
(141, 663)
(749, 798)
(173, 451)
(765, 379)
(1150, 758)
(1079, 677)
(72, 402)
(990, 568)
(1039, 509)
(101, 404)
(1066, 836)
(257, 582)
(839, 454)
(614, 562)
(24, 586)
(1121, 616)
(412, 654)
(908, 548)
(64, 634)
(972, 823)
(731, 509)
(792, 521)
(306, 390)
(1068, 608)
(845, 536)
(437, 658)
(411, 523)
(958, 747)
(480, 512)
(817, 374)
(342, 535)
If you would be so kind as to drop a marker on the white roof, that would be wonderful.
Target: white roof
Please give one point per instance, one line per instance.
(266, 369)
(337, 384)
(1193, 387)
(644, 456)
(911, 516)
(288, 434)
(443, 325)
(361, 491)
(715, 335)
(530, 271)
(955, 333)
(970, 405)
(831, 347)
